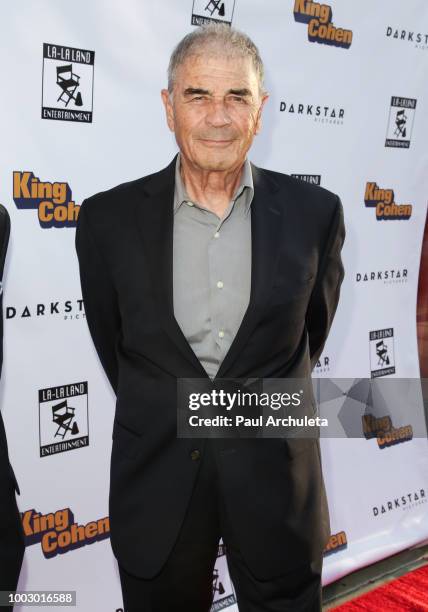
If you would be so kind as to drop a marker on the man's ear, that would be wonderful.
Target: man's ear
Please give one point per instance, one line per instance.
(259, 114)
(169, 110)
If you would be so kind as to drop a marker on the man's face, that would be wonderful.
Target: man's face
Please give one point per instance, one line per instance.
(215, 111)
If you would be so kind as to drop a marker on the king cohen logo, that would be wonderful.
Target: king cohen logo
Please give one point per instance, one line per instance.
(52, 200)
(321, 114)
(408, 501)
(393, 276)
(337, 542)
(68, 309)
(321, 29)
(420, 41)
(63, 418)
(313, 179)
(400, 122)
(383, 430)
(58, 533)
(207, 11)
(67, 83)
(383, 201)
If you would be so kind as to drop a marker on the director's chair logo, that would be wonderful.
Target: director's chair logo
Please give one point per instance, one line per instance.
(400, 122)
(67, 83)
(207, 11)
(382, 358)
(63, 418)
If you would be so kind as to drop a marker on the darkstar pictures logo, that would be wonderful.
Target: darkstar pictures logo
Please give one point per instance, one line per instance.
(382, 360)
(63, 418)
(400, 122)
(419, 40)
(313, 179)
(387, 277)
(383, 201)
(67, 83)
(320, 114)
(52, 200)
(404, 502)
(206, 11)
(319, 18)
(70, 309)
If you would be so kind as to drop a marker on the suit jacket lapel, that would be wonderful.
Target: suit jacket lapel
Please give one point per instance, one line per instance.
(154, 212)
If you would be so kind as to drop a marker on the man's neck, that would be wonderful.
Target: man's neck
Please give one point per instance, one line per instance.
(212, 189)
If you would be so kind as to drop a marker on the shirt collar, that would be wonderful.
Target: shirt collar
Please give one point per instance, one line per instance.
(181, 194)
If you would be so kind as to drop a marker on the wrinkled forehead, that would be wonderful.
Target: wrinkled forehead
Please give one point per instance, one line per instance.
(217, 72)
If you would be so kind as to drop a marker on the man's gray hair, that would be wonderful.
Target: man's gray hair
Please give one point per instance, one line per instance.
(217, 38)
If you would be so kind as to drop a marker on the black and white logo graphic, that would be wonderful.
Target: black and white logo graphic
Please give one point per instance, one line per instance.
(382, 360)
(67, 83)
(223, 592)
(400, 123)
(206, 11)
(63, 418)
(313, 179)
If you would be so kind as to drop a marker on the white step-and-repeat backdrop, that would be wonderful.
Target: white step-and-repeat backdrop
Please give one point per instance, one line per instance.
(81, 112)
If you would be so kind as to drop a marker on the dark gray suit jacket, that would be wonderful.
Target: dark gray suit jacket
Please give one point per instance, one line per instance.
(273, 487)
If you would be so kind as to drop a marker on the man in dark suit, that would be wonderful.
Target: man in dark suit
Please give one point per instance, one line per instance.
(11, 531)
(211, 269)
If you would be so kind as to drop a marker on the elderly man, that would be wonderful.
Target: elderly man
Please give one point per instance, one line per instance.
(211, 268)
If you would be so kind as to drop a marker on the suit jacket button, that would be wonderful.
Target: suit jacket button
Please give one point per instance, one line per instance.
(195, 454)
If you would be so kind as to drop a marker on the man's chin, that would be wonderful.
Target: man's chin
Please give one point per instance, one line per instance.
(217, 163)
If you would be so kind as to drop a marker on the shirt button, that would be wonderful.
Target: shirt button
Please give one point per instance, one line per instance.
(221, 333)
(217, 234)
(195, 454)
(190, 203)
(220, 284)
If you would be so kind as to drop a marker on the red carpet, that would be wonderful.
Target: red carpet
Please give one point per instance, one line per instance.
(408, 593)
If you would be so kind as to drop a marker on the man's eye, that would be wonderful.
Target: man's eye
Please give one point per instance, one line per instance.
(238, 99)
(199, 98)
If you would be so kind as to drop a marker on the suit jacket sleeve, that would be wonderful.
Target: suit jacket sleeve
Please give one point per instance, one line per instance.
(325, 295)
(99, 296)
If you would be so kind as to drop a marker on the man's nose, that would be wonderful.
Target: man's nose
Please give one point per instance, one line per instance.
(217, 114)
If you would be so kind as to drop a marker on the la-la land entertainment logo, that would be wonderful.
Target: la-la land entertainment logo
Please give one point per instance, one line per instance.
(67, 83)
(321, 29)
(63, 418)
(312, 179)
(52, 200)
(383, 201)
(400, 122)
(58, 533)
(223, 592)
(382, 357)
(207, 11)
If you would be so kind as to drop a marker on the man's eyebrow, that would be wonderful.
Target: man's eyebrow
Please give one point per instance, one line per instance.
(240, 92)
(193, 91)
(198, 91)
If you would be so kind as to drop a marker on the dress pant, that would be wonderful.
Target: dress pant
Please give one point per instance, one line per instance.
(185, 583)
